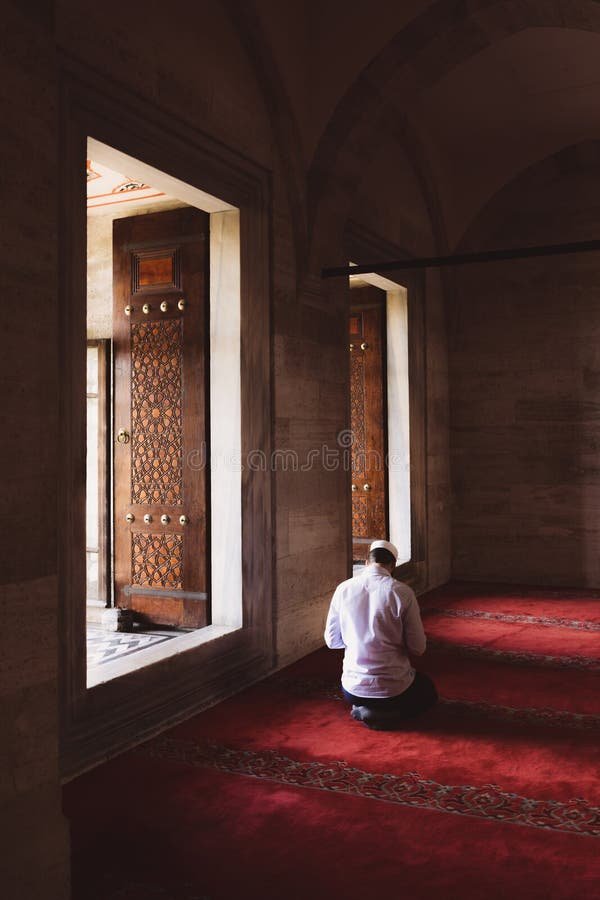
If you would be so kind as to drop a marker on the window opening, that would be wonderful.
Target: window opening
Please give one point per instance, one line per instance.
(379, 415)
(156, 355)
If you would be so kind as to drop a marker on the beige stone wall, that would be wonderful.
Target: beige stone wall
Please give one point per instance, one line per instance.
(33, 834)
(311, 409)
(438, 458)
(525, 379)
(524, 370)
(311, 393)
(192, 64)
(390, 203)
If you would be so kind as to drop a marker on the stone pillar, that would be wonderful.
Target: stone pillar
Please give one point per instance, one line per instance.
(34, 860)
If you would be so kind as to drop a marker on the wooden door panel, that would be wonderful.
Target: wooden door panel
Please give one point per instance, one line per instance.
(160, 311)
(367, 397)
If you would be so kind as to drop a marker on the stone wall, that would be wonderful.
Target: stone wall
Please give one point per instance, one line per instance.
(311, 397)
(34, 857)
(525, 381)
(194, 65)
(391, 204)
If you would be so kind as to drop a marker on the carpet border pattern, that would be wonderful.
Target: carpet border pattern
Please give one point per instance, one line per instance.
(475, 651)
(490, 802)
(325, 689)
(512, 618)
(544, 716)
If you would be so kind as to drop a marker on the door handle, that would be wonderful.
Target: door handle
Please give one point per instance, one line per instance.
(123, 436)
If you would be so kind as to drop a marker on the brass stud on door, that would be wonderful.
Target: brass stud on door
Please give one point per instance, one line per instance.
(129, 310)
(354, 487)
(148, 519)
(364, 346)
(164, 306)
(146, 308)
(130, 518)
(183, 520)
(181, 304)
(165, 519)
(366, 487)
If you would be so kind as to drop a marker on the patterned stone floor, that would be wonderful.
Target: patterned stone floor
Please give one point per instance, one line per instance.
(106, 646)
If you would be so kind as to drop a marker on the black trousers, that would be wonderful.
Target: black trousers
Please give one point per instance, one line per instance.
(420, 696)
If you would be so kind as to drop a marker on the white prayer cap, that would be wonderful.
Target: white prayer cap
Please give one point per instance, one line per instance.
(384, 545)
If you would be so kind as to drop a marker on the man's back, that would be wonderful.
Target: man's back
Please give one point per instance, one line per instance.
(377, 621)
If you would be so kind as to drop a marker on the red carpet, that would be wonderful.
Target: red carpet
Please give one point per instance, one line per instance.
(277, 793)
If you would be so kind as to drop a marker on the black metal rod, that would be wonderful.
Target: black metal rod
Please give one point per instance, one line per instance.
(462, 259)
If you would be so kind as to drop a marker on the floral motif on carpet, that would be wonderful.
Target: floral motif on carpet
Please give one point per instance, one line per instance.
(512, 618)
(489, 801)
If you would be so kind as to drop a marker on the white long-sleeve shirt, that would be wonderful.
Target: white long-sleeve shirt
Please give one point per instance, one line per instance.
(377, 621)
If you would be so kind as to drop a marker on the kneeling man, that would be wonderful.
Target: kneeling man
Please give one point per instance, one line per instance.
(376, 621)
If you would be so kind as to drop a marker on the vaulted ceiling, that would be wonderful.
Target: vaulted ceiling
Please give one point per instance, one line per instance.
(507, 107)
(497, 87)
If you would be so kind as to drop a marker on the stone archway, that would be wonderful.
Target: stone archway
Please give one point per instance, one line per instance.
(435, 42)
(488, 226)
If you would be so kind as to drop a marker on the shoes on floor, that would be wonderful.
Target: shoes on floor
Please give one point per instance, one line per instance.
(377, 720)
(361, 713)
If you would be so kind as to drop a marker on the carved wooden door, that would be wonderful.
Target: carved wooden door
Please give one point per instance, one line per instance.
(159, 326)
(367, 419)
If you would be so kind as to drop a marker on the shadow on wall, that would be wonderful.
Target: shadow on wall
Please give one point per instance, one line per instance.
(525, 380)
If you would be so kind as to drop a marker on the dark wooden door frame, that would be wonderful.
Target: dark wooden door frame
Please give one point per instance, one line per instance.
(110, 717)
(361, 243)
